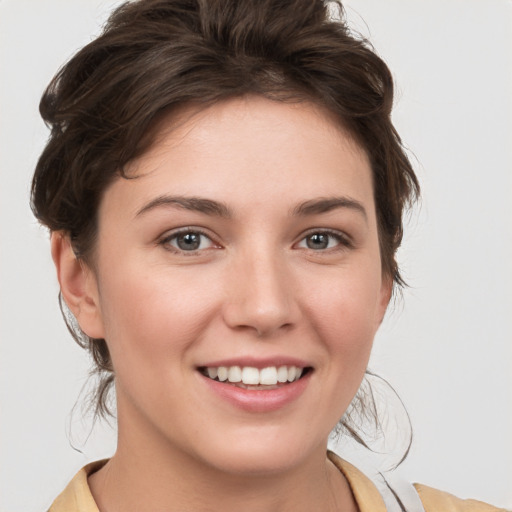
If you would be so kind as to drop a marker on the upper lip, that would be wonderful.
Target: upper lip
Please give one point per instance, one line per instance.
(257, 362)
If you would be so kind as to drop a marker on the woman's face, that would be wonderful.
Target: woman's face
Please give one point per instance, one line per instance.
(246, 247)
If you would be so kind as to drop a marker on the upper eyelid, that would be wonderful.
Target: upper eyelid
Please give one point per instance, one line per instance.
(344, 242)
(333, 232)
(172, 233)
(169, 235)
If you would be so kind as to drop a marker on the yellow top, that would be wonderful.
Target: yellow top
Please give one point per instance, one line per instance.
(77, 496)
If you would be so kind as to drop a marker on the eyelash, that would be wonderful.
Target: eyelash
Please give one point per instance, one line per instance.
(166, 241)
(342, 241)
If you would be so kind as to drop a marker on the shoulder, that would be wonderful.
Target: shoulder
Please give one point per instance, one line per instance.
(434, 500)
(384, 495)
(77, 497)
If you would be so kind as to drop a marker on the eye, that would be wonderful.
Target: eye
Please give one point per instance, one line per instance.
(322, 240)
(188, 241)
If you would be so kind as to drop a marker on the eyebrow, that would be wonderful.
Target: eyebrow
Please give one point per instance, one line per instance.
(198, 204)
(327, 204)
(218, 209)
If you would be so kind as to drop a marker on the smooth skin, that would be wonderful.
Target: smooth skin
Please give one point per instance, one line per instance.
(250, 231)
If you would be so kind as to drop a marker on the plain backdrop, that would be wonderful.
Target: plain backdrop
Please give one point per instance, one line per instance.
(446, 347)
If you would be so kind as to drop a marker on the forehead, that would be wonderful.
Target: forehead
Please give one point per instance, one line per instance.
(250, 150)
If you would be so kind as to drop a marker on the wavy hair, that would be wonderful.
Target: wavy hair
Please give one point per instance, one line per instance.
(153, 56)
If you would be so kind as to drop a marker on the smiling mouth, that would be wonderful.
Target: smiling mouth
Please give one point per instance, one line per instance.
(248, 377)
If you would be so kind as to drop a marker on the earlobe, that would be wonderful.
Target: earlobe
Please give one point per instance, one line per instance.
(78, 286)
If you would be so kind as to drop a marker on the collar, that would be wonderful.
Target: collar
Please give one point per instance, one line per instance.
(77, 496)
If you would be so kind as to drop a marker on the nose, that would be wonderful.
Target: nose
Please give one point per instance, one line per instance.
(260, 295)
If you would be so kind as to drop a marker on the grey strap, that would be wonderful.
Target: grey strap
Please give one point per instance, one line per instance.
(399, 495)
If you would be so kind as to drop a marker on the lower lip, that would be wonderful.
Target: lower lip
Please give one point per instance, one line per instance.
(259, 400)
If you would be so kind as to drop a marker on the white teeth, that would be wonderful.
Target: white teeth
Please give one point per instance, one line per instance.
(268, 376)
(294, 373)
(234, 374)
(251, 376)
(282, 374)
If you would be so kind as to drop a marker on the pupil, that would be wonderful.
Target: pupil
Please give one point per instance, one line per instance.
(189, 241)
(318, 241)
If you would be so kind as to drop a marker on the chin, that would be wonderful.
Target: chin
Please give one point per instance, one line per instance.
(262, 452)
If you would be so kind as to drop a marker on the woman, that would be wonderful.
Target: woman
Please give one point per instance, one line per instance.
(225, 190)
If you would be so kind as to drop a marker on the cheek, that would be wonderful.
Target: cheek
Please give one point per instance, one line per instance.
(346, 314)
(342, 317)
(152, 315)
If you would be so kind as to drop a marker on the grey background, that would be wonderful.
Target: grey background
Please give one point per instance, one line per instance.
(447, 348)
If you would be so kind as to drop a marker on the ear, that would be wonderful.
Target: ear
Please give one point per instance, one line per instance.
(78, 286)
(386, 290)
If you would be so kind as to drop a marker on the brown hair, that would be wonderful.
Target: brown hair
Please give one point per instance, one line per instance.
(156, 55)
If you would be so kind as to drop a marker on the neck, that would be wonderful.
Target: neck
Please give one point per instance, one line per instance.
(150, 473)
(134, 483)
